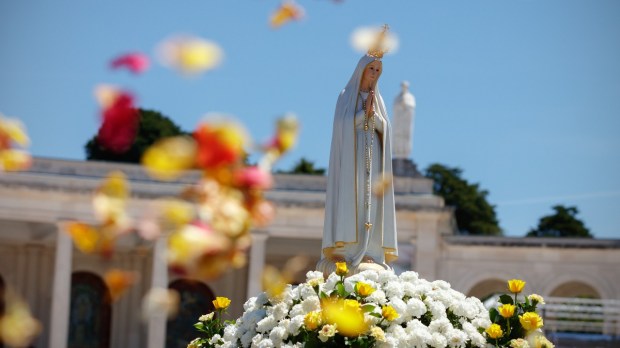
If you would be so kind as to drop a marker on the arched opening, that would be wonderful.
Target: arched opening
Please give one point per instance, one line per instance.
(488, 288)
(575, 289)
(90, 312)
(196, 299)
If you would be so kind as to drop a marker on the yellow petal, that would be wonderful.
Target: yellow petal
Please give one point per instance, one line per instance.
(85, 237)
(14, 160)
(17, 326)
(168, 158)
(14, 130)
(190, 55)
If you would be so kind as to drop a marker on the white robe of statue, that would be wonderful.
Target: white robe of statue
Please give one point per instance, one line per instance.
(345, 235)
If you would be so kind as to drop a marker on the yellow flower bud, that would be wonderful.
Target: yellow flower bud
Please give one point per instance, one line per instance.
(312, 320)
(530, 321)
(389, 313)
(221, 302)
(341, 268)
(363, 289)
(494, 331)
(516, 285)
(506, 310)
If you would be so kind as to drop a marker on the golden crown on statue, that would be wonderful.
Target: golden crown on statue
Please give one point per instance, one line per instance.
(378, 48)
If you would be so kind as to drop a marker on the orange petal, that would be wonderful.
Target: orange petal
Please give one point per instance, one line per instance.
(118, 281)
(85, 237)
(169, 158)
(287, 12)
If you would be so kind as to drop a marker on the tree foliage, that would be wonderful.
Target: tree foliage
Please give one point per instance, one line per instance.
(305, 166)
(562, 223)
(153, 126)
(474, 214)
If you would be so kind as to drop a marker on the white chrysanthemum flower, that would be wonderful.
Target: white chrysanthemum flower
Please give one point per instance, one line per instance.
(296, 310)
(311, 304)
(390, 342)
(419, 336)
(314, 275)
(401, 309)
(394, 289)
(246, 338)
(477, 340)
(290, 345)
(279, 311)
(441, 284)
(386, 277)
(277, 335)
(231, 333)
(225, 344)
(438, 340)
(266, 324)
(456, 338)
(409, 276)
(262, 342)
(294, 325)
(397, 332)
(415, 308)
(378, 297)
(306, 291)
(369, 275)
(250, 304)
(442, 326)
(330, 283)
(437, 309)
(481, 322)
(215, 339)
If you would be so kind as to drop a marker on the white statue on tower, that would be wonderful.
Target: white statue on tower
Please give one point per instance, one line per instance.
(404, 113)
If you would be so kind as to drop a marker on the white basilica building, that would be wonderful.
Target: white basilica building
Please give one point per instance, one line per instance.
(65, 290)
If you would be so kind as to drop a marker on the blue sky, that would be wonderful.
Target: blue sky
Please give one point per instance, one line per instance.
(523, 95)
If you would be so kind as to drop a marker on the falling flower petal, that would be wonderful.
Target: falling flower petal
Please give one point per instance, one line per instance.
(110, 200)
(362, 39)
(17, 326)
(253, 178)
(196, 247)
(170, 157)
(286, 12)
(85, 237)
(120, 122)
(345, 315)
(220, 143)
(274, 283)
(380, 186)
(106, 95)
(263, 213)
(12, 130)
(160, 301)
(14, 160)
(118, 281)
(135, 62)
(190, 55)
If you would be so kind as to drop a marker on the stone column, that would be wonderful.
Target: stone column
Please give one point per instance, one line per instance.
(256, 263)
(427, 248)
(61, 290)
(157, 323)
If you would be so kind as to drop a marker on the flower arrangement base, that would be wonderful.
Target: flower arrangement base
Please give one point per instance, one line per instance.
(368, 309)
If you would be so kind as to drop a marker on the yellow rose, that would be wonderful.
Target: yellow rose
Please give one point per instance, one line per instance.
(363, 289)
(221, 302)
(351, 304)
(312, 320)
(516, 285)
(341, 268)
(530, 321)
(506, 310)
(389, 313)
(494, 331)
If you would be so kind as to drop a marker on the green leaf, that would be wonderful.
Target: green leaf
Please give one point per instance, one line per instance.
(494, 315)
(367, 308)
(376, 315)
(323, 295)
(506, 299)
(341, 291)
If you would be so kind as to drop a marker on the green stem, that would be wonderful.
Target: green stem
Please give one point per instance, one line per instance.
(508, 326)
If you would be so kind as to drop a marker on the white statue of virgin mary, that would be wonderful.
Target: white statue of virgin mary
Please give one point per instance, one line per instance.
(360, 223)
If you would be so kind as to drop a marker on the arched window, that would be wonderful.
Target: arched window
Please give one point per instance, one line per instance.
(195, 300)
(488, 288)
(90, 312)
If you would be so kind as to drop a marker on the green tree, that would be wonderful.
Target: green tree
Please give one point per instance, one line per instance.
(562, 223)
(474, 214)
(153, 126)
(305, 167)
